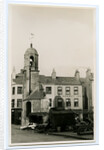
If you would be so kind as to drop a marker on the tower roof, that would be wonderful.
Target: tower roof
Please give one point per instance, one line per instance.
(31, 50)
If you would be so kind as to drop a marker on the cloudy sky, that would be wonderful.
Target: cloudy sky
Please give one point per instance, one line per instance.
(63, 36)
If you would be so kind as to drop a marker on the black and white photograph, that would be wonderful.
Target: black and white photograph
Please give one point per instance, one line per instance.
(52, 74)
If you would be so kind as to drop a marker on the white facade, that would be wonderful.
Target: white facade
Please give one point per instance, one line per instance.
(16, 96)
(66, 96)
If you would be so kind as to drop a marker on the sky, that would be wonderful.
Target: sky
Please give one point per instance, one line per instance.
(64, 38)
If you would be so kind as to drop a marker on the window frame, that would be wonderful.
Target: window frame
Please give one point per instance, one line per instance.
(76, 90)
(59, 92)
(76, 100)
(13, 90)
(13, 103)
(67, 90)
(68, 100)
(49, 91)
(19, 100)
(18, 91)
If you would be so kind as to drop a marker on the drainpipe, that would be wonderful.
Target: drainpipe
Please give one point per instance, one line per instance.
(29, 80)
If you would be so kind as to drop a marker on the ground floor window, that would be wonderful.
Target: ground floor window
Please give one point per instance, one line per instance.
(68, 102)
(76, 102)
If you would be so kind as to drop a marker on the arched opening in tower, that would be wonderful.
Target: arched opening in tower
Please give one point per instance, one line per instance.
(31, 61)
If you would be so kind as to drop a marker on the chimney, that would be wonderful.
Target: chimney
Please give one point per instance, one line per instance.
(53, 74)
(13, 73)
(88, 73)
(77, 75)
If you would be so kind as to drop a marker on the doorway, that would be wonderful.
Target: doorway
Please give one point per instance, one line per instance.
(28, 108)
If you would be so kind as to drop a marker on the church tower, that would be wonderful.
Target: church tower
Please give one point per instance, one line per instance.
(31, 72)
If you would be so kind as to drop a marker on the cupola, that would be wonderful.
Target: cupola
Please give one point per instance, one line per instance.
(31, 58)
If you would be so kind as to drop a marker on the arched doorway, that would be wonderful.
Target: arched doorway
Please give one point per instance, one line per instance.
(28, 108)
(58, 102)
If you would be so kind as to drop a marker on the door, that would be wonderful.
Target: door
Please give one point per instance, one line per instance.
(28, 108)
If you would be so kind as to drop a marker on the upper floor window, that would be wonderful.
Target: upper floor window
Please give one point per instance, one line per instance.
(68, 102)
(48, 90)
(19, 90)
(76, 102)
(59, 90)
(19, 103)
(13, 90)
(67, 90)
(13, 103)
(75, 90)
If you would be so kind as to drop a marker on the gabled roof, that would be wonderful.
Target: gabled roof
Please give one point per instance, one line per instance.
(48, 80)
(18, 80)
(36, 95)
(59, 80)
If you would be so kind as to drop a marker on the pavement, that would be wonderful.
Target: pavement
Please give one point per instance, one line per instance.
(30, 136)
(73, 135)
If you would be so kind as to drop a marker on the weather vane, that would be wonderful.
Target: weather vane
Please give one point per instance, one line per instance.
(31, 38)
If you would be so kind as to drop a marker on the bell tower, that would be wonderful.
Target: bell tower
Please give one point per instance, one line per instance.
(31, 72)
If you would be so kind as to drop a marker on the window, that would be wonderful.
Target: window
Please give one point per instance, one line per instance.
(13, 90)
(19, 90)
(75, 90)
(68, 102)
(59, 101)
(76, 102)
(13, 103)
(48, 90)
(59, 90)
(67, 90)
(19, 103)
(50, 102)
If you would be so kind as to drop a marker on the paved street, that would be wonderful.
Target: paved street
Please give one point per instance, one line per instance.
(29, 136)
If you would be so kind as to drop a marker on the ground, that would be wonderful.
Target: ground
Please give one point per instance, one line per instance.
(29, 136)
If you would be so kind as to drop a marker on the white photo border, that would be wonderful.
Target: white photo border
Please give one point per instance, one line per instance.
(6, 73)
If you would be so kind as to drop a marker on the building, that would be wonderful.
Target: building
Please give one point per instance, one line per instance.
(35, 94)
(41, 92)
(16, 96)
